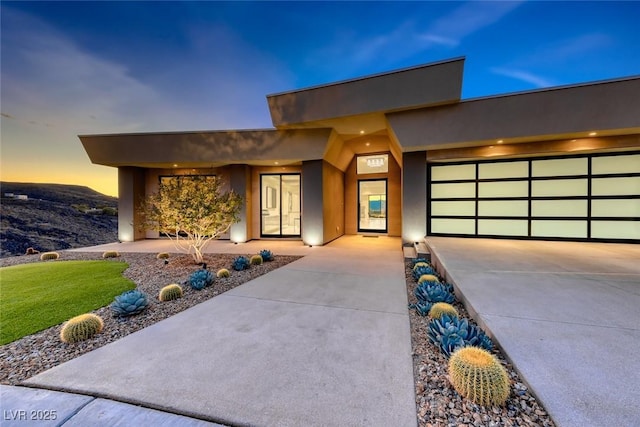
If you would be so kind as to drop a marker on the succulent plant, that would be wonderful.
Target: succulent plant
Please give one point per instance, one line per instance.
(428, 278)
(46, 256)
(81, 328)
(418, 260)
(240, 263)
(256, 260)
(223, 273)
(477, 375)
(266, 255)
(162, 255)
(200, 279)
(110, 254)
(420, 264)
(170, 292)
(440, 308)
(449, 333)
(129, 303)
(433, 292)
(422, 307)
(422, 270)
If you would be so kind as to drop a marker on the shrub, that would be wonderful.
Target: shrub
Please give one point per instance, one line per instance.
(31, 251)
(428, 278)
(81, 328)
(240, 263)
(223, 273)
(110, 254)
(266, 255)
(129, 303)
(200, 279)
(256, 260)
(441, 308)
(46, 256)
(162, 255)
(450, 333)
(477, 375)
(170, 292)
(433, 292)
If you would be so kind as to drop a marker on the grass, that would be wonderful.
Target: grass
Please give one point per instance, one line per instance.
(37, 296)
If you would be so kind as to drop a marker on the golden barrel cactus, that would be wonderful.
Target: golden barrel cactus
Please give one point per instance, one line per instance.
(477, 375)
(440, 308)
(170, 292)
(81, 328)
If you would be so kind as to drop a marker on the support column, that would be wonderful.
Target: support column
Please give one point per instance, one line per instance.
(131, 192)
(240, 182)
(312, 216)
(414, 196)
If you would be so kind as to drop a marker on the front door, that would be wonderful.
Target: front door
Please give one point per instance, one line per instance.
(372, 205)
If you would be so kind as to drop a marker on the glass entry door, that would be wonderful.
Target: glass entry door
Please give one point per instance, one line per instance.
(280, 205)
(372, 205)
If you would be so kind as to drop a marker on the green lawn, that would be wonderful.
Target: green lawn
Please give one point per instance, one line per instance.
(37, 296)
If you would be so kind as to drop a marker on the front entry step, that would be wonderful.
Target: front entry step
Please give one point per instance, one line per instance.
(422, 251)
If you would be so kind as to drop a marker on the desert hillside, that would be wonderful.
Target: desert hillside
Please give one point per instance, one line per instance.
(50, 217)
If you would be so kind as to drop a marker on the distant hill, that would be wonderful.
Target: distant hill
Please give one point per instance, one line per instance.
(54, 217)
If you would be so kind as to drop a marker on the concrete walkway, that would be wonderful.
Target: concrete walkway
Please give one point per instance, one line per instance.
(566, 314)
(323, 341)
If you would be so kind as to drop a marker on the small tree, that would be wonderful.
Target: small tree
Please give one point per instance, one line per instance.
(191, 210)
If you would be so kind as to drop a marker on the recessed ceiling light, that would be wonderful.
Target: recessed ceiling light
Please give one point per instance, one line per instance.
(593, 133)
(175, 165)
(367, 144)
(277, 163)
(491, 146)
(361, 132)
(573, 140)
(500, 141)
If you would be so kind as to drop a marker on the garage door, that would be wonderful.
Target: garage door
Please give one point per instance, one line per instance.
(595, 197)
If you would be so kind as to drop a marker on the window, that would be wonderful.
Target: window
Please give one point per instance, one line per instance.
(378, 163)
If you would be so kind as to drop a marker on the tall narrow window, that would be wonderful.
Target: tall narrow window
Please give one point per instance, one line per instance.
(280, 205)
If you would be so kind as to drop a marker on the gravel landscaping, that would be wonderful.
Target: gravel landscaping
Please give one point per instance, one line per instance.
(438, 404)
(35, 353)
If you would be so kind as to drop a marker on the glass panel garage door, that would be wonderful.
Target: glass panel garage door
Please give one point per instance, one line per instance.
(593, 197)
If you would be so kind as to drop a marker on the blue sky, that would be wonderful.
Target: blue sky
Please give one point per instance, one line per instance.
(108, 67)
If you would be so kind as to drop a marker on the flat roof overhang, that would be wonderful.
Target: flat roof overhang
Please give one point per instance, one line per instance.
(206, 148)
(607, 108)
(351, 105)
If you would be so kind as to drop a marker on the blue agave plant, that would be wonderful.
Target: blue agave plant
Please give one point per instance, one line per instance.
(129, 303)
(422, 308)
(200, 279)
(240, 263)
(423, 269)
(450, 333)
(433, 292)
(266, 255)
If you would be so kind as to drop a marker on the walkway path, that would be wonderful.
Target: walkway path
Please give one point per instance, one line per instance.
(323, 341)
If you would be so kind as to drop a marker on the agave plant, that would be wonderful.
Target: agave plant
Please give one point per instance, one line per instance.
(266, 255)
(422, 307)
(433, 292)
(240, 263)
(129, 303)
(450, 333)
(422, 270)
(200, 279)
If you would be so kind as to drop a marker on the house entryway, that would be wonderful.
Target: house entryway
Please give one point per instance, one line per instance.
(372, 205)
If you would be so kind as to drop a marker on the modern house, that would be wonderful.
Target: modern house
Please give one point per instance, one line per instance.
(401, 154)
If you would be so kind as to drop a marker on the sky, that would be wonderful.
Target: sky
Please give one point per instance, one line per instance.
(74, 68)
